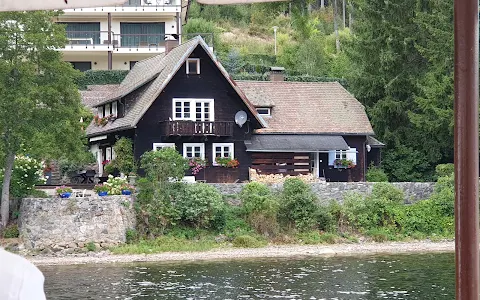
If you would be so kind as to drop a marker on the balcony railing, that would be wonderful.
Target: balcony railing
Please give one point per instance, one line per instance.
(138, 5)
(153, 41)
(87, 38)
(197, 128)
(156, 42)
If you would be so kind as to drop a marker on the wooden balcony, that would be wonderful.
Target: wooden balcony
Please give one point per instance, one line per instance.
(194, 128)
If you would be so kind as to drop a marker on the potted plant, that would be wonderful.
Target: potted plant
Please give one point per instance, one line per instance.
(227, 162)
(343, 164)
(127, 189)
(101, 189)
(132, 178)
(197, 164)
(63, 191)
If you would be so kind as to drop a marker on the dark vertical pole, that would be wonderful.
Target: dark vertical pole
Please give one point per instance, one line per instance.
(110, 53)
(466, 150)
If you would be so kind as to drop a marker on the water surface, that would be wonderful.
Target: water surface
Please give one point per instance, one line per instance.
(427, 276)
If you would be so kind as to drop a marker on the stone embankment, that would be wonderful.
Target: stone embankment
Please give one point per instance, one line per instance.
(70, 225)
(326, 191)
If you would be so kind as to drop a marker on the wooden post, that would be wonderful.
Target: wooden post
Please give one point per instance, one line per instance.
(466, 149)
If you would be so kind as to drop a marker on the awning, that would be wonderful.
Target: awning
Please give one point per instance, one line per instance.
(374, 143)
(295, 143)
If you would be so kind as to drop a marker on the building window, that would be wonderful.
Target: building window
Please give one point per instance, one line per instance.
(264, 111)
(191, 150)
(142, 34)
(82, 66)
(193, 109)
(132, 64)
(222, 150)
(193, 66)
(159, 146)
(341, 154)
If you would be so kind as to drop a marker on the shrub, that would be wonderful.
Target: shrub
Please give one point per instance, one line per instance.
(444, 170)
(380, 235)
(257, 198)
(124, 160)
(91, 246)
(247, 241)
(11, 231)
(131, 236)
(115, 185)
(316, 237)
(202, 206)
(157, 209)
(27, 172)
(298, 204)
(325, 220)
(376, 174)
(376, 210)
(164, 165)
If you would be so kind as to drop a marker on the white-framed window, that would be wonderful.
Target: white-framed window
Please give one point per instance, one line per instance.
(264, 111)
(107, 109)
(350, 154)
(114, 108)
(193, 66)
(193, 109)
(159, 146)
(341, 154)
(100, 111)
(222, 150)
(191, 150)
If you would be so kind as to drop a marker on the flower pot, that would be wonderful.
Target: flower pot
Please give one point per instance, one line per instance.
(132, 179)
(65, 195)
(126, 192)
(101, 194)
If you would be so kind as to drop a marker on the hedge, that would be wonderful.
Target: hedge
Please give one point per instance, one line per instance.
(302, 78)
(101, 77)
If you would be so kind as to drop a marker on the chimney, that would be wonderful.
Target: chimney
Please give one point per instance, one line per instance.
(277, 74)
(170, 43)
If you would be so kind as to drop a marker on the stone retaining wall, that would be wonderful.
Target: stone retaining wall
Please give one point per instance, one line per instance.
(57, 224)
(327, 191)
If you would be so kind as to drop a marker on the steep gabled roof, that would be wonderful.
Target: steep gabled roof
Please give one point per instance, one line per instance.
(166, 67)
(308, 108)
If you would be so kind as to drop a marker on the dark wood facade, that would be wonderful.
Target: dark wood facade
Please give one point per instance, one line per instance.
(209, 84)
(158, 125)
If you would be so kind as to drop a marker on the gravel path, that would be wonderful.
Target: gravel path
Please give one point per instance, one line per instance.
(283, 251)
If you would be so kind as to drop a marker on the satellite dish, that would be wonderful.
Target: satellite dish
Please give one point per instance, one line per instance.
(240, 118)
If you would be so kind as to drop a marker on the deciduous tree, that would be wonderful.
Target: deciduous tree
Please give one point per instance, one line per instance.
(40, 105)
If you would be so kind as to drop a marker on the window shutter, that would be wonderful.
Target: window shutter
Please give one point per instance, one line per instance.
(352, 155)
(331, 157)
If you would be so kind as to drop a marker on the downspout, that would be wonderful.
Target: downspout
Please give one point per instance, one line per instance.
(110, 53)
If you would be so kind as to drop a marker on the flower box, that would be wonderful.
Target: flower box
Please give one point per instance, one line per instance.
(65, 195)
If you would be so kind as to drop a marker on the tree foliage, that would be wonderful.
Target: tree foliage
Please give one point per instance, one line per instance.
(402, 56)
(39, 101)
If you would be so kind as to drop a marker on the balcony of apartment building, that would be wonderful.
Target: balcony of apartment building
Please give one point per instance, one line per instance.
(131, 7)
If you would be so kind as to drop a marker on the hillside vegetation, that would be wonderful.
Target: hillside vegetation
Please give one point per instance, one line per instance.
(396, 57)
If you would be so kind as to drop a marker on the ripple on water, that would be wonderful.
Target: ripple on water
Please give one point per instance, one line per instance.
(365, 278)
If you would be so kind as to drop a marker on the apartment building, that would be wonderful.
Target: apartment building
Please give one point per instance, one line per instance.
(115, 38)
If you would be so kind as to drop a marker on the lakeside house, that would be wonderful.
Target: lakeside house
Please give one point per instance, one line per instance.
(184, 98)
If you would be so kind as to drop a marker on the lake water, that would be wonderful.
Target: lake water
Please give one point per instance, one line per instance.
(426, 276)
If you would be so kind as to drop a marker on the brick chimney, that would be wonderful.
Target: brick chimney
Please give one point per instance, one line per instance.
(170, 43)
(277, 74)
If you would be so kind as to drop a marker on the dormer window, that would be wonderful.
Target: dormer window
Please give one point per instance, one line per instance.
(108, 110)
(264, 111)
(193, 66)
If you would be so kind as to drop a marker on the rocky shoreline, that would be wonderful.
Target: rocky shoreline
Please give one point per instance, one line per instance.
(281, 251)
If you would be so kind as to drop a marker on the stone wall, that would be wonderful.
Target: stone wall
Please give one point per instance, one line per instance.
(58, 224)
(327, 191)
